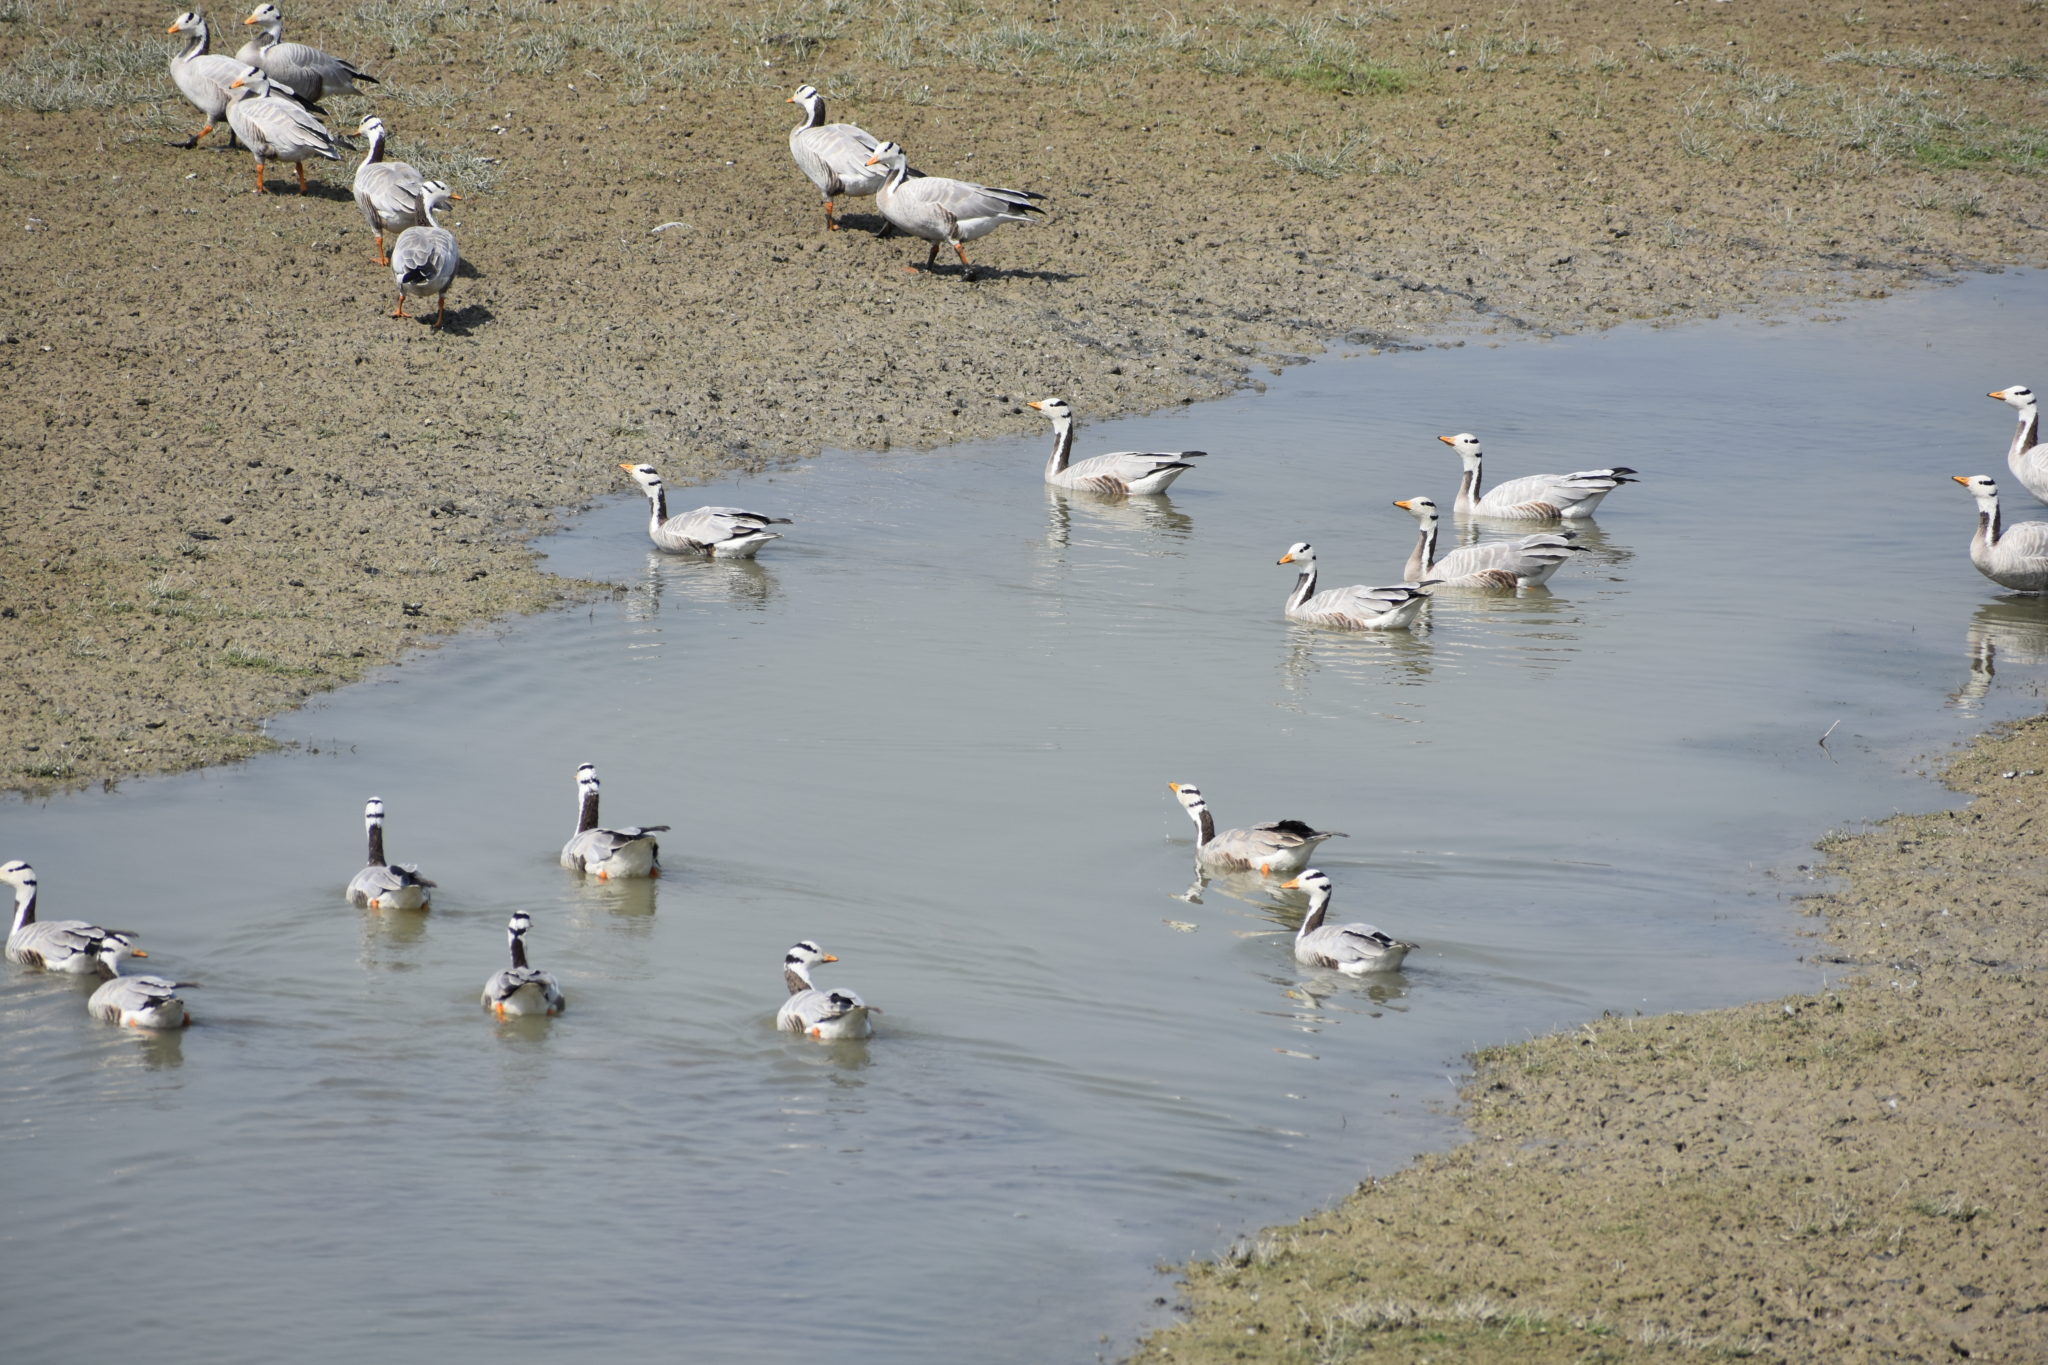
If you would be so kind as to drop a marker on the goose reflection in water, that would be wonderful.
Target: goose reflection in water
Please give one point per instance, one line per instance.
(624, 903)
(715, 582)
(1162, 525)
(1402, 657)
(2014, 628)
(1602, 553)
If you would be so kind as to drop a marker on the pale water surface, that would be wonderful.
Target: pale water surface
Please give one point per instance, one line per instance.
(933, 728)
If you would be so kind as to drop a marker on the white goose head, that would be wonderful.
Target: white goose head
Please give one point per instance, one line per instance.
(256, 85)
(1055, 408)
(803, 956)
(890, 154)
(372, 128)
(645, 475)
(1422, 509)
(18, 874)
(115, 949)
(267, 15)
(434, 196)
(191, 21)
(1982, 487)
(813, 103)
(1299, 553)
(1190, 796)
(2019, 395)
(373, 812)
(1466, 444)
(1317, 884)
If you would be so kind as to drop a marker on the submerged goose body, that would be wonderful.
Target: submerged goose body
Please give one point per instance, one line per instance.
(521, 989)
(312, 73)
(424, 259)
(1280, 848)
(390, 193)
(1527, 562)
(2028, 458)
(721, 532)
(383, 885)
(1534, 497)
(138, 1001)
(1122, 471)
(275, 128)
(1354, 949)
(816, 1013)
(945, 212)
(203, 76)
(2013, 557)
(1358, 607)
(70, 946)
(630, 851)
(836, 157)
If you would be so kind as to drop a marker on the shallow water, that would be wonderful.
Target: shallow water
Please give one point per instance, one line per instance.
(932, 728)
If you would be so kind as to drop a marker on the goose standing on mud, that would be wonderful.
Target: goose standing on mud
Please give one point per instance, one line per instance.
(424, 259)
(1354, 608)
(1122, 471)
(1353, 949)
(943, 211)
(835, 156)
(631, 851)
(1280, 848)
(816, 1013)
(1533, 497)
(275, 128)
(521, 989)
(382, 885)
(2028, 458)
(137, 1001)
(2013, 557)
(722, 532)
(202, 75)
(1504, 564)
(71, 946)
(388, 192)
(313, 74)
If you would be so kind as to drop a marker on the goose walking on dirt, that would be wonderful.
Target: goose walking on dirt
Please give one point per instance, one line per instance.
(1503, 564)
(275, 128)
(384, 885)
(521, 989)
(1394, 607)
(816, 1013)
(630, 851)
(312, 73)
(1354, 949)
(202, 75)
(835, 156)
(945, 212)
(1123, 471)
(1280, 848)
(424, 260)
(388, 192)
(149, 1002)
(1534, 497)
(2028, 458)
(2013, 557)
(70, 946)
(722, 532)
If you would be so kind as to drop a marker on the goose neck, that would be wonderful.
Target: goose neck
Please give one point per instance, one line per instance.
(1469, 479)
(24, 907)
(1304, 586)
(586, 811)
(1425, 549)
(2028, 433)
(376, 152)
(518, 951)
(797, 977)
(376, 827)
(1205, 824)
(814, 112)
(1062, 445)
(1318, 909)
(657, 502)
(197, 42)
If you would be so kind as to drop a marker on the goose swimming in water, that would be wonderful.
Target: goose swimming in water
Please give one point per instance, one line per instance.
(1122, 471)
(71, 946)
(2013, 557)
(816, 1013)
(1534, 497)
(521, 989)
(630, 851)
(720, 532)
(1505, 564)
(1353, 608)
(137, 1001)
(1353, 949)
(1280, 848)
(385, 885)
(2028, 458)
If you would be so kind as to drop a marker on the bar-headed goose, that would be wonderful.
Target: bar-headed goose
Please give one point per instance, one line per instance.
(424, 259)
(521, 989)
(71, 946)
(1394, 607)
(816, 1013)
(630, 851)
(137, 1001)
(384, 885)
(2028, 458)
(1122, 471)
(835, 156)
(943, 211)
(388, 192)
(1527, 562)
(1353, 949)
(202, 75)
(2013, 557)
(1280, 848)
(1534, 497)
(275, 128)
(312, 73)
(724, 532)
